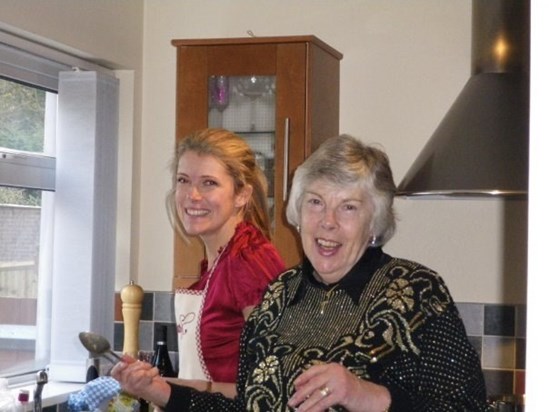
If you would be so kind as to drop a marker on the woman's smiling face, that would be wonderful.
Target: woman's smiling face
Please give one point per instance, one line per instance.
(205, 196)
(335, 227)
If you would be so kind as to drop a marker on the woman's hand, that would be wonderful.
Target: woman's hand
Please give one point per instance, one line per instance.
(325, 385)
(141, 379)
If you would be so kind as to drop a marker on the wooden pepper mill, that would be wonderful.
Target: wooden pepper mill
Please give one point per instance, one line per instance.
(132, 301)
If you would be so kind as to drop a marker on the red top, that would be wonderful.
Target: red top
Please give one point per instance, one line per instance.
(248, 264)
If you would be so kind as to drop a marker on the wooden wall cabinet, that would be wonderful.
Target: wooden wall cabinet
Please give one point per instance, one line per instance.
(301, 75)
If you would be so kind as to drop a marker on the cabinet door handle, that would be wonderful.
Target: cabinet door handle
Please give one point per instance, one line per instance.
(286, 159)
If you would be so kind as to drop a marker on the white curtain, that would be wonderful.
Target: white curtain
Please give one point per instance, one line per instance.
(84, 237)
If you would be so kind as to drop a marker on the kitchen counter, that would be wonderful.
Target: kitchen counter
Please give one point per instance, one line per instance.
(53, 393)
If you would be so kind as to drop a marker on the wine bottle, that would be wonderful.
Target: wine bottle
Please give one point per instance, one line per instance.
(161, 357)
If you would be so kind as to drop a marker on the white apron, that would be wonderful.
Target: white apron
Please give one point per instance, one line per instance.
(188, 306)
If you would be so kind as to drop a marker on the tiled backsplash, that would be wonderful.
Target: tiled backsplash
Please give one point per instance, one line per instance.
(498, 332)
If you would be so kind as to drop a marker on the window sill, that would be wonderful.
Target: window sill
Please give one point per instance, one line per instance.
(53, 393)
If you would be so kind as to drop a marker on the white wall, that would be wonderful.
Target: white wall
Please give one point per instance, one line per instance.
(109, 33)
(404, 64)
(104, 30)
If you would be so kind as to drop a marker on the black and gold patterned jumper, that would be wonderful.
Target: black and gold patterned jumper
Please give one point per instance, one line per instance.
(389, 320)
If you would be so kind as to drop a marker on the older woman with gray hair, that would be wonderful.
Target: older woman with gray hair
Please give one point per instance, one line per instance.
(351, 328)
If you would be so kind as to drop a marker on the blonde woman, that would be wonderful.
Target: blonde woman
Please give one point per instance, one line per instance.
(219, 196)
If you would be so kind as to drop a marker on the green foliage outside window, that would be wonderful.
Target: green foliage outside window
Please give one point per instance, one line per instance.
(22, 110)
(16, 196)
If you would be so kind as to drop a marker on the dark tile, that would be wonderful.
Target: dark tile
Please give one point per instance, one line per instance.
(118, 344)
(498, 382)
(521, 321)
(148, 306)
(499, 320)
(472, 315)
(163, 307)
(146, 335)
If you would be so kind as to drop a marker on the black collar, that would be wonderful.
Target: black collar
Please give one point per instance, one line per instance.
(353, 283)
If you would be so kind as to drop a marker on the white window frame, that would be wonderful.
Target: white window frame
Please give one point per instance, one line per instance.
(84, 233)
(28, 170)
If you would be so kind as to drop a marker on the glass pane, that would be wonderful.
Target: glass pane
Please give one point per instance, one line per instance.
(19, 246)
(22, 117)
(246, 105)
(27, 123)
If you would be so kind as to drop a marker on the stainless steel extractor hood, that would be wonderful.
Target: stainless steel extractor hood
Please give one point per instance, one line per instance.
(481, 146)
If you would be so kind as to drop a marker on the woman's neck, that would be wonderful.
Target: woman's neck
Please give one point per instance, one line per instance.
(215, 243)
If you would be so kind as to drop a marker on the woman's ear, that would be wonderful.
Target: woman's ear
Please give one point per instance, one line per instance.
(243, 197)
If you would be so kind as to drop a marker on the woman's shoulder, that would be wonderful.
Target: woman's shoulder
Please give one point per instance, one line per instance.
(402, 267)
(410, 280)
(249, 262)
(248, 238)
(278, 292)
(249, 243)
(287, 281)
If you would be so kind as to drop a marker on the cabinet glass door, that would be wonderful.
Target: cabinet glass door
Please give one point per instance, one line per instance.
(246, 106)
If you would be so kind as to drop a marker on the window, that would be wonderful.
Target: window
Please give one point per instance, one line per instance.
(25, 207)
(58, 158)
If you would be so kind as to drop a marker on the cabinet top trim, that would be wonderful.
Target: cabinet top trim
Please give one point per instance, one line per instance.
(258, 40)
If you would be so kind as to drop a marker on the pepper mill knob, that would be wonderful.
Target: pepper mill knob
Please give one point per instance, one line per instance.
(132, 301)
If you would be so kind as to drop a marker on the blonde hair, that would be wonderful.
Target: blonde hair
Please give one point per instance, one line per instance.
(344, 160)
(239, 161)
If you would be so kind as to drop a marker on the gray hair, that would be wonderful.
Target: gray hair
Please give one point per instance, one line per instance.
(344, 160)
